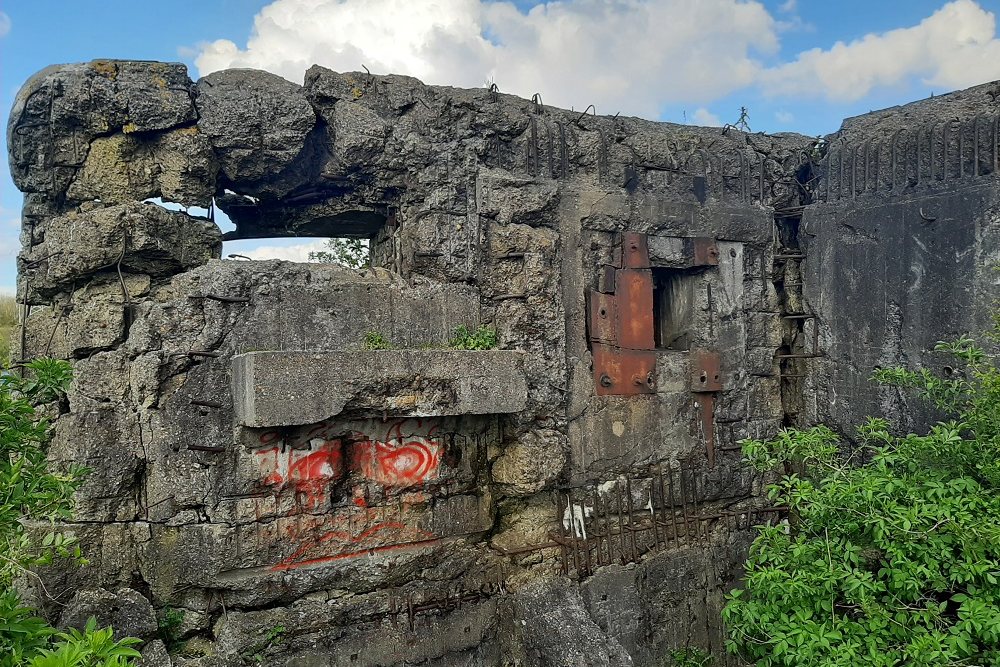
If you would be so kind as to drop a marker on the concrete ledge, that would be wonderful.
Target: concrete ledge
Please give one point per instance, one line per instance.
(295, 388)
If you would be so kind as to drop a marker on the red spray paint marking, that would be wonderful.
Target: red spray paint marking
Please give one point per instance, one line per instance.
(309, 473)
(341, 544)
(401, 460)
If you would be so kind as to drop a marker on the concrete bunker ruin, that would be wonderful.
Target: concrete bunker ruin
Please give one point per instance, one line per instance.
(574, 496)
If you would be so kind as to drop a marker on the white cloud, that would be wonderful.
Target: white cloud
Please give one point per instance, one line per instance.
(293, 253)
(630, 56)
(955, 47)
(5, 24)
(784, 117)
(705, 117)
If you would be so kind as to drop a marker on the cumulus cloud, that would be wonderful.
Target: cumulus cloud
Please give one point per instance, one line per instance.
(703, 116)
(298, 252)
(5, 24)
(784, 117)
(955, 47)
(630, 55)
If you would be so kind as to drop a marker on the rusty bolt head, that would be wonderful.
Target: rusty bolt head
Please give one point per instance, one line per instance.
(605, 380)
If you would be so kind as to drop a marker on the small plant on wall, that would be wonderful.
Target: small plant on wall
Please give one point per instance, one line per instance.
(483, 338)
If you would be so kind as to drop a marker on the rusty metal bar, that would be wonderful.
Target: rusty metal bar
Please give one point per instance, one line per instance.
(621, 519)
(673, 512)
(221, 298)
(684, 505)
(597, 525)
(561, 520)
(206, 448)
(652, 509)
(631, 515)
(573, 532)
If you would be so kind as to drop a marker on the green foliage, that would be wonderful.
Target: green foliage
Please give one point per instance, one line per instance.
(168, 624)
(30, 492)
(255, 653)
(8, 320)
(374, 340)
(349, 253)
(483, 338)
(93, 647)
(690, 657)
(892, 555)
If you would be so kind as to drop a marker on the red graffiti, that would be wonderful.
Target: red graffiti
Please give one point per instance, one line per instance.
(406, 457)
(340, 544)
(309, 473)
(397, 464)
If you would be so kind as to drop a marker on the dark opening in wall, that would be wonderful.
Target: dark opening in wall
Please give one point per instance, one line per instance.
(674, 307)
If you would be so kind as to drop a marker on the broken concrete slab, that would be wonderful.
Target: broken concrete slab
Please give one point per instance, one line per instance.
(293, 388)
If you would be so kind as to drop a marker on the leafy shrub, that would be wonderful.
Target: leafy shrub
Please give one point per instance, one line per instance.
(483, 338)
(892, 554)
(349, 253)
(29, 491)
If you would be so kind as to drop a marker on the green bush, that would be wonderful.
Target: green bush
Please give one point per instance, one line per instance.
(30, 491)
(893, 552)
(483, 338)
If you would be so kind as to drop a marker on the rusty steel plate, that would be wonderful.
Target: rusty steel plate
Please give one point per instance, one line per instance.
(635, 250)
(602, 317)
(606, 280)
(635, 309)
(620, 372)
(706, 373)
(704, 252)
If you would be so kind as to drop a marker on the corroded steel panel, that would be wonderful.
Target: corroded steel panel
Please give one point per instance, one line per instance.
(635, 309)
(704, 252)
(623, 372)
(706, 373)
(602, 317)
(635, 250)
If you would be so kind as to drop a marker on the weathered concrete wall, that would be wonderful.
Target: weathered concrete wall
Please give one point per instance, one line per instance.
(573, 498)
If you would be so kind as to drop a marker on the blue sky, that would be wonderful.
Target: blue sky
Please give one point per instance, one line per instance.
(797, 65)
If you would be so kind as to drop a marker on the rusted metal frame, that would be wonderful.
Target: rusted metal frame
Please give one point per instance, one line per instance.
(673, 512)
(206, 448)
(631, 516)
(574, 537)
(652, 510)
(684, 504)
(620, 507)
(220, 298)
(597, 527)
(561, 521)
(635, 251)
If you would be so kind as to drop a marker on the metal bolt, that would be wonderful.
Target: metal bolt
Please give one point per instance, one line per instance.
(605, 380)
